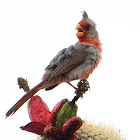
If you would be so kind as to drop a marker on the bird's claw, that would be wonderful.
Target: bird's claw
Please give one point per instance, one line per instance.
(83, 86)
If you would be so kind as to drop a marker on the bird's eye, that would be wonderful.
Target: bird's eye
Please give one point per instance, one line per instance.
(87, 26)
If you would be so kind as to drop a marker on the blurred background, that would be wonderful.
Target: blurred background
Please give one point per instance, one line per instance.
(32, 32)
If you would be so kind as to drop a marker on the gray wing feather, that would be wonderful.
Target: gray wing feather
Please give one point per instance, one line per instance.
(65, 60)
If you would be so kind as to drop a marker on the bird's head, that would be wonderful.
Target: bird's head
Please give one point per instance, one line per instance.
(86, 29)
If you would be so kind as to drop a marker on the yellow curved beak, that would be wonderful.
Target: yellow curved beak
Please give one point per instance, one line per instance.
(80, 30)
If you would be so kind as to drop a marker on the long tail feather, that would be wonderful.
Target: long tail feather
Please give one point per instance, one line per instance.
(23, 100)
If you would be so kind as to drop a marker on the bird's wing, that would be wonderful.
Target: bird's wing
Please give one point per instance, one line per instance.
(65, 61)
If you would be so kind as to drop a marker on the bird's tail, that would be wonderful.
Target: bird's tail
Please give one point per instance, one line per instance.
(27, 96)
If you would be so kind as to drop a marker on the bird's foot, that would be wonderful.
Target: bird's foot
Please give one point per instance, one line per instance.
(83, 86)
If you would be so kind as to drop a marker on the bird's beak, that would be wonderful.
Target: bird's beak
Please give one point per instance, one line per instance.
(80, 30)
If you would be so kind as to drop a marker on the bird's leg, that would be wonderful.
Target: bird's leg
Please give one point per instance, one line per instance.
(83, 86)
(72, 85)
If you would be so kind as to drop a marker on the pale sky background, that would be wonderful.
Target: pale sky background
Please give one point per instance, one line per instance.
(32, 32)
